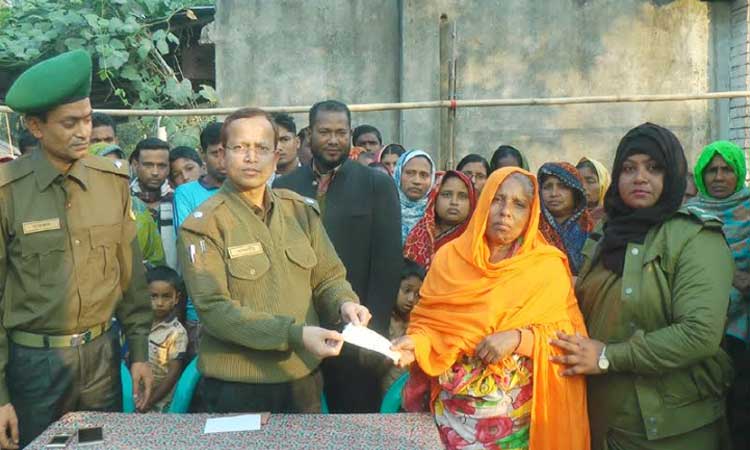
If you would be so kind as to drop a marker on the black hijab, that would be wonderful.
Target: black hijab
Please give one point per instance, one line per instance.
(624, 224)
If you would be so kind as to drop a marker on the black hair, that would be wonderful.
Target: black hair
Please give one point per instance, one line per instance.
(211, 135)
(166, 274)
(285, 121)
(393, 149)
(102, 120)
(364, 129)
(502, 152)
(186, 152)
(26, 140)
(473, 158)
(248, 113)
(329, 106)
(303, 135)
(377, 165)
(151, 143)
(412, 269)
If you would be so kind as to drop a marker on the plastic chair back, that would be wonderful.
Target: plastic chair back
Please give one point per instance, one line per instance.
(183, 391)
(392, 398)
(128, 405)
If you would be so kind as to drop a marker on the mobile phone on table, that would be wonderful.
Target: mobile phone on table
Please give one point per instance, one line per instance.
(93, 435)
(59, 440)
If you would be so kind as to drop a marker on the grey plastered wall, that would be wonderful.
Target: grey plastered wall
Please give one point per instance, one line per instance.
(296, 52)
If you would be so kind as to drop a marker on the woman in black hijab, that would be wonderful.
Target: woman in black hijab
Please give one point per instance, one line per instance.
(654, 291)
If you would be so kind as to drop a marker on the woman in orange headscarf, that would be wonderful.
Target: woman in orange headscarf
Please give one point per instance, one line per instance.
(491, 302)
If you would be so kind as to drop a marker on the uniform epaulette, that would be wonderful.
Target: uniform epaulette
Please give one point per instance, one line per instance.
(196, 221)
(701, 215)
(15, 170)
(115, 166)
(287, 194)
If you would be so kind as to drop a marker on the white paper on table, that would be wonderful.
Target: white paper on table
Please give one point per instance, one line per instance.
(244, 422)
(369, 339)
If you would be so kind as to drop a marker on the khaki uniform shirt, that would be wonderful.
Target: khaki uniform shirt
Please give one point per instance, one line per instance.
(256, 277)
(69, 257)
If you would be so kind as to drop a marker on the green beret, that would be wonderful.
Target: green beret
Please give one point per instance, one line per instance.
(66, 78)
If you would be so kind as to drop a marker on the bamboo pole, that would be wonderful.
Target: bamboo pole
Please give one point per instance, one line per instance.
(432, 104)
(444, 67)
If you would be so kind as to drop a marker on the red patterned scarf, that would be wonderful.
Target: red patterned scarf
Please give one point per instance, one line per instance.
(423, 240)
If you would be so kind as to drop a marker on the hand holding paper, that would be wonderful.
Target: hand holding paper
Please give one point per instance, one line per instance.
(369, 339)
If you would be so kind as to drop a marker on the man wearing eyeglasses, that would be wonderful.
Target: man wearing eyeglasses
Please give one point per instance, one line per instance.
(263, 275)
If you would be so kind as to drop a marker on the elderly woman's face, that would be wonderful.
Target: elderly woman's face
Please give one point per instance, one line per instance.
(641, 181)
(509, 213)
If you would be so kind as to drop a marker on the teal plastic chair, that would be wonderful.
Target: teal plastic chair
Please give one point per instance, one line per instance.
(324, 404)
(392, 399)
(183, 391)
(128, 405)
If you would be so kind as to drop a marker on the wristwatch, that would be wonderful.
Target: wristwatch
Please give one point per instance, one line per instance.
(603, 361)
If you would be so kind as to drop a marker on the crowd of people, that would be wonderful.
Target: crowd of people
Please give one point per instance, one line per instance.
(572, 307)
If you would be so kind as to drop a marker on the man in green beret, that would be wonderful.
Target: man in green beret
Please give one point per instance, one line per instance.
(69, 260)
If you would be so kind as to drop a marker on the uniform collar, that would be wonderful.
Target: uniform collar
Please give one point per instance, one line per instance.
(46, 173)
(268, 198)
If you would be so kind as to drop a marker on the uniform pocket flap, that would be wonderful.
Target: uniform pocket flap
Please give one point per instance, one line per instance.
(105, 235)
(249, 267)
(43, 242)
(302, 255)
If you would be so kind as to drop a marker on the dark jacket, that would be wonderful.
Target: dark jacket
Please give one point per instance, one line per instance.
(662, 322)
(363, 220)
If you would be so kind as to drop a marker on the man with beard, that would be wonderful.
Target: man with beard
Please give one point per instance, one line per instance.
(151, 163)
(190, 196)
(362, 216)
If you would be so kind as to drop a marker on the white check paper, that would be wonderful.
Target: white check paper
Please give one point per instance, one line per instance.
(369, 339)
(244, 422)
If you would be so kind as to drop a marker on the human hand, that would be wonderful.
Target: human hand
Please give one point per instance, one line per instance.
(8, 427)
(582, 354)
(493, 348)
(143, 382)
(355, 314)
(322, 342)
(405, 346)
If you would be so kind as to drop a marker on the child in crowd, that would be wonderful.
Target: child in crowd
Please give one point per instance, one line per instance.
(412, 276)
(168, 340)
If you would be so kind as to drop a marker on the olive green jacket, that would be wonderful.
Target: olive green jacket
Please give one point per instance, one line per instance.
(255, 283)
(69, 257)
(663, 340)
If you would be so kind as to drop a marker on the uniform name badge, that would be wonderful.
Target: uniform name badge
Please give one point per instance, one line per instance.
(41, 225)
(245, 250)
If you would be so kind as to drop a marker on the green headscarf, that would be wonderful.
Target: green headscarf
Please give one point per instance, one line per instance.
(732, 154)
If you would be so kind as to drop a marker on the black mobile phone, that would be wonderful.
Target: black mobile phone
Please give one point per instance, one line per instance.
(59, 440)
(93, 435)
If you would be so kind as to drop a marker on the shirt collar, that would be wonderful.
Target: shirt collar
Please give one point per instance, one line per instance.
(46, 173)
(166, 322)
(268, 199)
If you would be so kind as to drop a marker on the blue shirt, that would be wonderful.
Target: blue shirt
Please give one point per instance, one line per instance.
(186, 198)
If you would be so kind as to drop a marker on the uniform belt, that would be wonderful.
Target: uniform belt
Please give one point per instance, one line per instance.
(51, 341)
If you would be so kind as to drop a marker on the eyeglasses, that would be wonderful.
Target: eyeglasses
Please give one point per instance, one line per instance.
(244, 150)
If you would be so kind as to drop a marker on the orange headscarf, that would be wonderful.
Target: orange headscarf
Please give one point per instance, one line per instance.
(465, 298)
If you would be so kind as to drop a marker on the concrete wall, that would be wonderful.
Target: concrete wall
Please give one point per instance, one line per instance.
(296, 52)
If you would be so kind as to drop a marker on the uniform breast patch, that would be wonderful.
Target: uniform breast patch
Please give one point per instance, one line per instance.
(41, 225)
(245, 250)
